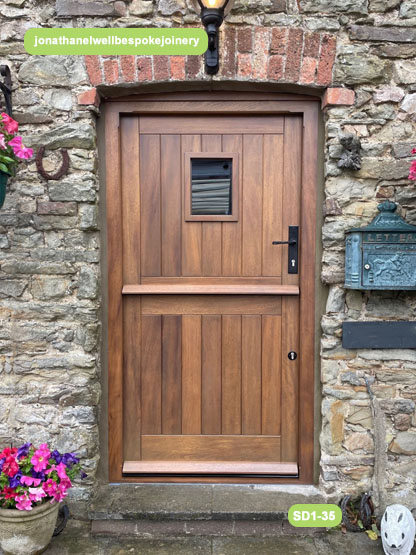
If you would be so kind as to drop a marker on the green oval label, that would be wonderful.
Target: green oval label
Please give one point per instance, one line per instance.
(315, 515)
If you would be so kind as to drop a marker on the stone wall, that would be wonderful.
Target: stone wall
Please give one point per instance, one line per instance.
(49, 231)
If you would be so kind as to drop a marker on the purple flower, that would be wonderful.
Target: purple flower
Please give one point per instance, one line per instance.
(23, 450)
(57, 456)
(83, 475)
(69, 459)
(39, 475)
(15, 481)
(1, 464)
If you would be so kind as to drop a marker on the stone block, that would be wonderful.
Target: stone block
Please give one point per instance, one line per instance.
(402, 150)
(383, 5)
(405, 71)
(70, 8)
(359, 442)
(44, 70)
(69, 135)
(359, 68)
(12, 288)
(141, 8)
(80, 191)
(87, 284)
(409, 103)
(88, 215)
(388, 94)
(382, 34)
(402, 422)
(361, 416)
(57, 208)
(404, 443)
(408, 9)
(334, 6)
(171, 7)
(46, 288)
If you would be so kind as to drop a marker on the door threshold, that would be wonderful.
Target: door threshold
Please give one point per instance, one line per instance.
(208, 468)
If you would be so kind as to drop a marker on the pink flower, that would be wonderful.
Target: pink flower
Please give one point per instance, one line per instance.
(61, 470)
(10, 466)
(50, 487)
(40, 457)
(36, 494)
(21, 152)
(29, 481)
(61, 492)
(23, 503)
(2, 143)
(413, 150)
(10, 125)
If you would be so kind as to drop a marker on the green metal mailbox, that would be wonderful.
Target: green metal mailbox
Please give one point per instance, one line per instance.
(381, 255)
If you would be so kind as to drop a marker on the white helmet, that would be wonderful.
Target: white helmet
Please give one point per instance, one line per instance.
(397, 530)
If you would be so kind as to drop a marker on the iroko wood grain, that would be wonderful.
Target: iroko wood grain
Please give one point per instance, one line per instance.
(190, 468)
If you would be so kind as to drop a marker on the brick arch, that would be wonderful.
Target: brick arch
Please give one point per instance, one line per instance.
(260, 54)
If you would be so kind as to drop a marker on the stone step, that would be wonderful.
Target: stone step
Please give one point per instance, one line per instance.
(193, 502)
(163, 529)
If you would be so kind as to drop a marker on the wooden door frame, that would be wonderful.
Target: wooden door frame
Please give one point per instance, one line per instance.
(209, 103)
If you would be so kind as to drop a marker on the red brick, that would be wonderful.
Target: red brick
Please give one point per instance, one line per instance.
(311, 46)
(161, 68)
(245, 65)
(308, 71)
(261, 52)
(275, 70)
(94, 69)
(177, 67)
(294, 55)
(245, 40)
(193, 66)
(228, 60)
(57, 208)
(326, 60)
(89, 97)
(110, 71)
(128, 68)
(337, 96)
(144, 68)
(279, 41)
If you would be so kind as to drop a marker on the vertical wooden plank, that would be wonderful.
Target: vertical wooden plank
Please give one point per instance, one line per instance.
(150, 201)
(211, 231)
(130, 187)
(291, 188)
(290, 379)
(211, 374)
(252, 204)
(307, 286)
(251, 375)
(191, 374)
(171, 374)
(151, 375)
(191, 231)
(271, 375)
(272, 205)
(231, 231)
(115, 284)
(171, 191)
(231, 374)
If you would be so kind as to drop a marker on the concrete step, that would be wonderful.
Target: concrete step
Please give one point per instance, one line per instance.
(196, 502)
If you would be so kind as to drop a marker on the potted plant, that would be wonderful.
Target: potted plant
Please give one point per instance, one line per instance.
(33, 481)
(12, 151)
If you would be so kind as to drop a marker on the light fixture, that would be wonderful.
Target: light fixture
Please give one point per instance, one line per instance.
(212, 14)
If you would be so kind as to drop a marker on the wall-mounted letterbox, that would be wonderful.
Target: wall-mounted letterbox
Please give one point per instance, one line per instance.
(381, 255)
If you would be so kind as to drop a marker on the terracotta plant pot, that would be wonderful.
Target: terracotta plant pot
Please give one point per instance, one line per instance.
(3, 182)
(27, 532)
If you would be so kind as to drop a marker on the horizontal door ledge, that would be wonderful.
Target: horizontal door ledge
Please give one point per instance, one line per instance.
(230, 468)
(187, 289)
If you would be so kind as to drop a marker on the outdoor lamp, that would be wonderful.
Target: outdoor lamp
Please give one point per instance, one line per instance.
(212, 14)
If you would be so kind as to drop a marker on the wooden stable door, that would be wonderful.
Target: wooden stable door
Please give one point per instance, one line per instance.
(210, 307)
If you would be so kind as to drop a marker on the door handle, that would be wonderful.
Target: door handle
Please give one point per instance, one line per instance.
(293, 250)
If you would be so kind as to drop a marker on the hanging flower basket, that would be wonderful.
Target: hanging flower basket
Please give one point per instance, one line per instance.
(3, 182)
(12, 151)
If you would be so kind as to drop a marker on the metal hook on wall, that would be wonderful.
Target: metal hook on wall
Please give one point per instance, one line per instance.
(6, 88)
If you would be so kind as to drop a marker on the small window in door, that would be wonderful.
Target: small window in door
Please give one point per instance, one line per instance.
(211, 186)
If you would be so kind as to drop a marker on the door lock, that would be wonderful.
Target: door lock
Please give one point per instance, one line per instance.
(293, 250)
(292, 355)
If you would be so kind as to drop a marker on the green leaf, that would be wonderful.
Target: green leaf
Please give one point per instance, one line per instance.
(372, 535)
(7, 159)
(4, 168)
(360, 524)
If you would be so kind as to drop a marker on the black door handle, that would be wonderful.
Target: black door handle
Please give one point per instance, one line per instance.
(292, 251)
